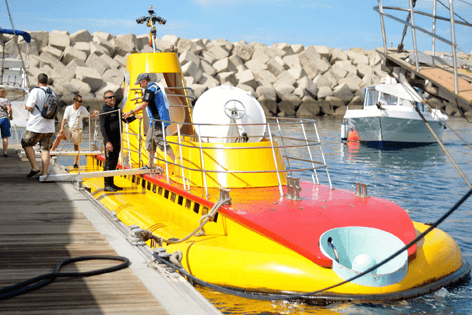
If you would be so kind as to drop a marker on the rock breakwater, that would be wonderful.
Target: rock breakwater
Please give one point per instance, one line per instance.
(288, 80)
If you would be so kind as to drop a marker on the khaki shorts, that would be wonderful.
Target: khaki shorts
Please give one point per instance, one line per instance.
(73, 135)
(157, 139)
(30, 139)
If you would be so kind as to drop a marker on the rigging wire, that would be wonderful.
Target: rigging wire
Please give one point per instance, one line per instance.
(465, 2)
(464, 20)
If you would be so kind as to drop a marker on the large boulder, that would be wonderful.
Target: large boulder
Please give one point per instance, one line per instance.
(247, 78)
(41, 38)
(309, 108)
(81, 36)
(90, 76)
(243, 51)
(71, 53)
(59, 39)
(289, 104)
(98, 64)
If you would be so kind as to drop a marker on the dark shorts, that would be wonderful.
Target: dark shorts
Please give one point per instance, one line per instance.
(30, 139)
(5, 127)
(157, 139)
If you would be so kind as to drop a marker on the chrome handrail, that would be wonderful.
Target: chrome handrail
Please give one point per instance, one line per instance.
(289, 145)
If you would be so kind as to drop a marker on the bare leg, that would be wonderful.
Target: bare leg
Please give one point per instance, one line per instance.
(5, 145)
(31, 155)
(76, 159)
(56, 142)
(151, 158)
(45, 158)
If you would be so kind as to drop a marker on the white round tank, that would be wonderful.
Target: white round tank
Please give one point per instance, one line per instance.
(221, 106)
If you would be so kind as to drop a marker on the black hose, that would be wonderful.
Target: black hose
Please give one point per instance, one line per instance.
(266, 297)
(41, 281)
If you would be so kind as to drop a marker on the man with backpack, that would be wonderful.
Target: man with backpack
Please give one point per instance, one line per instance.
(39, 129)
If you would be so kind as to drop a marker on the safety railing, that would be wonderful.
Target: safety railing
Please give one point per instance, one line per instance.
(295, 140)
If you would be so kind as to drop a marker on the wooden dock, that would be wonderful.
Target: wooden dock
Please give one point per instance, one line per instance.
(44, 223)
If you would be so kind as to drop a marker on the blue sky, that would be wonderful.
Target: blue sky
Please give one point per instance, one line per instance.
(334, 23)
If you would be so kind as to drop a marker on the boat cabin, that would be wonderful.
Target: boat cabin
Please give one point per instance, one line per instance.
(391, 96)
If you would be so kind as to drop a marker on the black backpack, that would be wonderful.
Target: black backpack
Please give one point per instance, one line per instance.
(50, 107)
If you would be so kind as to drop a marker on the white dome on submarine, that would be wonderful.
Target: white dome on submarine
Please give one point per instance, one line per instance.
(227, 114)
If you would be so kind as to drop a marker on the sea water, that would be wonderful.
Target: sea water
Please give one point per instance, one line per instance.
(422, 180)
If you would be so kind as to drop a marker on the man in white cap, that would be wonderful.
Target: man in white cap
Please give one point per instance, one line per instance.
(153, 100)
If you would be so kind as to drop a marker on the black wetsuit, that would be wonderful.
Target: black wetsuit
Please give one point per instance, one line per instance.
(110, 128)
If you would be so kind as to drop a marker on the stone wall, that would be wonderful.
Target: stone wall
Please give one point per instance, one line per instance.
(288, 80)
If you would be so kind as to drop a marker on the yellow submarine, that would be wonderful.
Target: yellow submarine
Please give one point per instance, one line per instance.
(232, 206)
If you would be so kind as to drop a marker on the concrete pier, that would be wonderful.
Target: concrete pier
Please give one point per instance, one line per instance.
(44, 223)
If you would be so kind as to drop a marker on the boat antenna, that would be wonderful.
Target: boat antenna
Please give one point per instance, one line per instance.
(151, 22)
(19, 49)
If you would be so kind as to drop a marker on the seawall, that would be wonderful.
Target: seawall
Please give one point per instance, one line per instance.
(288, 80)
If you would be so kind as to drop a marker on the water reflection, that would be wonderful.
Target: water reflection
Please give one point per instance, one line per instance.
(410, 158)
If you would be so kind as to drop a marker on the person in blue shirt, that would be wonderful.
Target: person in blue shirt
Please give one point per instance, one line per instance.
(153, 101)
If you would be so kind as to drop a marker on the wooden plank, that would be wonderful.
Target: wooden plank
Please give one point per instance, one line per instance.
(40, 227)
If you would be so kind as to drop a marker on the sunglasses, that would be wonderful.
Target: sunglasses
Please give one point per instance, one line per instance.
(79, 101)
(110, 97)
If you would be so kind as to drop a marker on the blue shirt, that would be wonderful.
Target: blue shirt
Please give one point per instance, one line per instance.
(156, 108)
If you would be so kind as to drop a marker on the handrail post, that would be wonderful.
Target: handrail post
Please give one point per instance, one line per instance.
(165, 149)
(202, 159)
(140, 140)
(382, 25)
(454, 52)
(90, 133)
(413, 32)
(181, 159)
(275, 161)
(309, 152)
(283, 144)
(121, 140)
(129, 145)
(434, 29)
(323, 157)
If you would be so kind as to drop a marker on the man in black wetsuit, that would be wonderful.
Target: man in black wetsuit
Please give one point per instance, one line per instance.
(110, 121)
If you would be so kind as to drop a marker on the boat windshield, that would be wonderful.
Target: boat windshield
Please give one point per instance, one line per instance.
(372, 97)
(387, 99)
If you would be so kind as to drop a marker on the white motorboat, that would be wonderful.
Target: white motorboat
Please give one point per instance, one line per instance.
(13, 79)
(389, 115)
